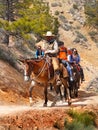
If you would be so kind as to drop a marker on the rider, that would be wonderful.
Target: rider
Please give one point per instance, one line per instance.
(74, 58)
(62, 55)
(51, 50)
(39, 52)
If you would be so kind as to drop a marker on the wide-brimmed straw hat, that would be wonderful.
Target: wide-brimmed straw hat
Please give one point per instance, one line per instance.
(48, 34)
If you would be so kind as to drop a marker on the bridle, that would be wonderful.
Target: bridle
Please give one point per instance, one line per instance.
(40, 72)
(42, 69)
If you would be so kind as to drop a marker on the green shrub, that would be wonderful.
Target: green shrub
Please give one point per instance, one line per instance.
(81, 36)
(57, 12)
(81, 121)
(76, 125)
(93, 33)
(75, 6)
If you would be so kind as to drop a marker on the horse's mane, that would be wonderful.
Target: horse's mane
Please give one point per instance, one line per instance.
(32, 60)
(35, 59)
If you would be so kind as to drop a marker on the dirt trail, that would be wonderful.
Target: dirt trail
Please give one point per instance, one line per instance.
(85, 99)
(17, 113)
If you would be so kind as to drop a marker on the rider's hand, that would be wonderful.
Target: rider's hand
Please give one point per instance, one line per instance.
(74, 62)
(48, 51)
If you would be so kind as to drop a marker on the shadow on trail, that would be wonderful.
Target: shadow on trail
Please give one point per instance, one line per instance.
(86, 93)
(84, 98)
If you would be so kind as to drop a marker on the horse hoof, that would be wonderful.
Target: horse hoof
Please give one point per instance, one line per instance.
(69, 102)
(31, 104)
(53, 104)
(44, 105)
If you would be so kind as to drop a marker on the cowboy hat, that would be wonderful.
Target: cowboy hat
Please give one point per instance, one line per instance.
(49, 34)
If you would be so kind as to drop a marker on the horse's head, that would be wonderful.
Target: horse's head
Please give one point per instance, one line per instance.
(27, 68)
(34, 68)
(75, 72)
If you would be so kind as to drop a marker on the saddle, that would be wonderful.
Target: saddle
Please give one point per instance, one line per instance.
(76, 66)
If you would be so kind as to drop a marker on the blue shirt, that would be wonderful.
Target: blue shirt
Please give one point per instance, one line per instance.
(39, 53)
(73, 58)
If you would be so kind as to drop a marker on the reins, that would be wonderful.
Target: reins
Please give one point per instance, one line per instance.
(40, 71)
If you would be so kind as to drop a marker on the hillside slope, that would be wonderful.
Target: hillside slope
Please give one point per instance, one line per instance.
(11, 81)
(87, 49)
(14, 104)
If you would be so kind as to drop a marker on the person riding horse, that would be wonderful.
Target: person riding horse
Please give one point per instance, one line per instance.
(62, 55)
(50, 47)
(74, 59)
(52, 51)
(39, 52)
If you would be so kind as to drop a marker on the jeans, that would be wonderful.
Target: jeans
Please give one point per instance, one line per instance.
(68, 67)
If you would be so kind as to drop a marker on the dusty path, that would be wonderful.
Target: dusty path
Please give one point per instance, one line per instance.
(20, 116)
(37, 117)
(85, 99)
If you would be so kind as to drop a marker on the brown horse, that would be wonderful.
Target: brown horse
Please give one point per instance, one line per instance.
(75, 84)
(40, 71)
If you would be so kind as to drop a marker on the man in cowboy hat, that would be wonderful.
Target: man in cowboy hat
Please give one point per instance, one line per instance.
(51, 50)
(50, 47)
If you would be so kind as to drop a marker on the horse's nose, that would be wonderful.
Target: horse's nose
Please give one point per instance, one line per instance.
(26, 78)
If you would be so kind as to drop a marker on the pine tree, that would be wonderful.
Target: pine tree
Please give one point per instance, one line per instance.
(7, 14)
(22, 17)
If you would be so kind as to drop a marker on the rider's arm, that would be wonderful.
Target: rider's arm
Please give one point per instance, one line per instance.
(36, 54)
(42, 53)
(69, 58)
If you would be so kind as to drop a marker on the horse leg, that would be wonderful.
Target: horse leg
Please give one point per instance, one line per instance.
(57, 91)
(57, 77)
(66, 89)
(61, 96)
(45, 93)
(55, 100)
(76, 90)
(70, 89)
(68, 96)
(65, 94)
(30, 92)
(51, 87)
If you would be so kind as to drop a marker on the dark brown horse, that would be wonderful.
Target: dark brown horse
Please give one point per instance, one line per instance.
(75, 84)
(40, 72)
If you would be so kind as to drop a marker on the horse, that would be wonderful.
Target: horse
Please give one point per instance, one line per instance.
(41, 72)
(75, 84)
